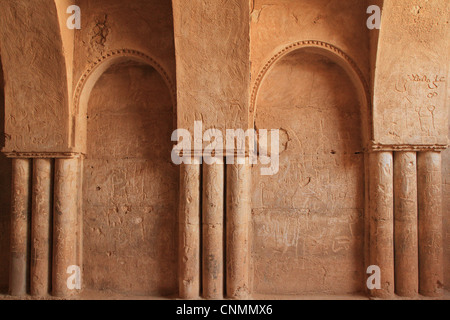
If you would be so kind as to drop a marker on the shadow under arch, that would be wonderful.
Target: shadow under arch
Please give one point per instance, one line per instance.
(337, 56)
(5, 195)
(89, 79)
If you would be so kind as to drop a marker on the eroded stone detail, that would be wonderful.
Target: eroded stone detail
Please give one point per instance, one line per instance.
(381, 195)
(20, 219)
(213, 228)
(405, 224)
(429, 181)
(362, 116)
(41, 227)
(65, 223)
(189, 232)
(238, 215)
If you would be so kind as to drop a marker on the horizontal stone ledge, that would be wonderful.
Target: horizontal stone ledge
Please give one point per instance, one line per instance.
(407, 147)
(222, 153)
(43, 155)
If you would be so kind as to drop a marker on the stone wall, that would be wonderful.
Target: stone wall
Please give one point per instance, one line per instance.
(112, 92)
(130, 184)
(308, 220)
(32, 50)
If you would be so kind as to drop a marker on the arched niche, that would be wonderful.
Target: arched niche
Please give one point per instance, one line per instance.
(308, 219)
(130, 186)
(5, 195)
(89, 79)
(335, 55)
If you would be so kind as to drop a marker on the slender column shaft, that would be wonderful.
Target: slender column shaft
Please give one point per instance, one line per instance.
(40, 278)
(64, 224)
(237, 225)
(20, 234)
(366, 211)
(213, 209)
(430, 224)
(382, 220)
(80, 214)
(189, 231)
(405, 224)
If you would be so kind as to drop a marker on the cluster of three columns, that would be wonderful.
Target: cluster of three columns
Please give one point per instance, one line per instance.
(44, 232)
(214, 231)
(405, 224)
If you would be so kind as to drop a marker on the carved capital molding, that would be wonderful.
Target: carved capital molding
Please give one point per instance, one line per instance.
(220, 153)
(43, 155)
(406, 147)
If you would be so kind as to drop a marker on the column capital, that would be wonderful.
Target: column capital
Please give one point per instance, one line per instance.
(43, 155)
(378, 147)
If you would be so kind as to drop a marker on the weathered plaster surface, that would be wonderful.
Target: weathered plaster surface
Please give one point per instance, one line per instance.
(410, 93)
(130, 185)
(145, 26)
(35, 77)
(308, 219)
(306, 228)
(212, 44)
(275, 24)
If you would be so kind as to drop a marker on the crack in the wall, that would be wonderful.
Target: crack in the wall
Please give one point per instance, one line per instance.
(101, 31)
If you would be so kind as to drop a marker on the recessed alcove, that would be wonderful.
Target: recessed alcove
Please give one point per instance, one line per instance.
(130, 186)
(308, 220)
